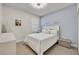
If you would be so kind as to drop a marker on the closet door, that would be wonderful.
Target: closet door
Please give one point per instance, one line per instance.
(78, 32)
(78, 28)
(35, 24)
(0, 15)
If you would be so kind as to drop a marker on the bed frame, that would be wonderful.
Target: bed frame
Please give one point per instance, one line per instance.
(40, 46)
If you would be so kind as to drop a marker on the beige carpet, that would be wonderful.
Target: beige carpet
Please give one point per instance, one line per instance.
(22, 49)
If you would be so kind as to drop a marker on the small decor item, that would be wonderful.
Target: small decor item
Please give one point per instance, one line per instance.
(18, 22)
(38, 5)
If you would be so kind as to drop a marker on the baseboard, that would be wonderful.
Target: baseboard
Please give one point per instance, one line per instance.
(17, 41)
(74, 45)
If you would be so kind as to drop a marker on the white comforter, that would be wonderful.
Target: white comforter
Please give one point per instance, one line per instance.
(40, 42)
(7, 44)
(41, 36)
(6, 37)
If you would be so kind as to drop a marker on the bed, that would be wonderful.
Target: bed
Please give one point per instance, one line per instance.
(7, 44)
(40, 42)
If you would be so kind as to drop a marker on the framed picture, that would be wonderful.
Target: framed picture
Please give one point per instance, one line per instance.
(17, 22)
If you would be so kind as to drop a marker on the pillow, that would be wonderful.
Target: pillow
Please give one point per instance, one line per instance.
(45, 31)
(53, 27)
(53, 32)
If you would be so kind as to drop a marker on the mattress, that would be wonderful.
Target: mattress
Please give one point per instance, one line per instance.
(7, 44)
(40, 42)
(41, 36)
(6, 37)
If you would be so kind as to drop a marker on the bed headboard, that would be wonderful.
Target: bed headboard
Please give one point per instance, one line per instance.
(54, 28)
(51, 29)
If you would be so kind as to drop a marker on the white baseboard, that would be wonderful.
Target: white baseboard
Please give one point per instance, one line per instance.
(18, 41)
(74, 45)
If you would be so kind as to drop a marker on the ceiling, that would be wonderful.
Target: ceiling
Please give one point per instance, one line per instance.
(51, 7)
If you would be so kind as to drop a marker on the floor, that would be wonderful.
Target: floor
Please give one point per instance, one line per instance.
(8, 48)
(23, 49)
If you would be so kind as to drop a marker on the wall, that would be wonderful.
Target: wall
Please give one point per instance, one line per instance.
(67, 19)
(0, 16)
(20, 32)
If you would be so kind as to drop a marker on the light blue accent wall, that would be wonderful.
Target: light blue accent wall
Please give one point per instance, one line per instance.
(67, 19)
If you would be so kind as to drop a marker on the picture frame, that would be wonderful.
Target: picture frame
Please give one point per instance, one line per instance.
(17, 22)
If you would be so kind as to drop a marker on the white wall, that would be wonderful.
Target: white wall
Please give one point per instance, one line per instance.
(11, 14)
(0, 16)
(67, 19)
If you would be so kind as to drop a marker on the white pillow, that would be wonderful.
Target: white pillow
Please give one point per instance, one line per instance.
(53, 31)
(45, 31)
(54, 27)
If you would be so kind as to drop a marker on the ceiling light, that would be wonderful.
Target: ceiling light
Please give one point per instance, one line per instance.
(38, 5)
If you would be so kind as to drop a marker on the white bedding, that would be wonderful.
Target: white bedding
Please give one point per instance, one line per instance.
(40, 42)
(41, 36)
(7, 44)
(6, 37)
